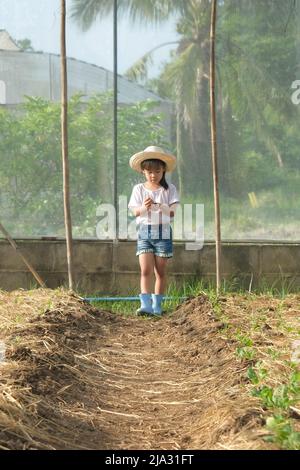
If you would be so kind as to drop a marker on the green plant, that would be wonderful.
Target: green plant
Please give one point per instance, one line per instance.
(273, 353)
(283, 395)
(277, 397)
(244, 340)
(256, 374)
(282, 432)
(246, 352)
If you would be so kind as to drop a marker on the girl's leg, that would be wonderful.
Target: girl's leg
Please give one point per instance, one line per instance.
(160, 270)
(147, 265)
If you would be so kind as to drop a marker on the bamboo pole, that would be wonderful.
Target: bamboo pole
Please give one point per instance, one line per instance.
(64, 142)
(214, 143)
(16, 248)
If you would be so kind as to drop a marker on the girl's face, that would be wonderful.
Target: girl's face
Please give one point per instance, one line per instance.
(154, 175)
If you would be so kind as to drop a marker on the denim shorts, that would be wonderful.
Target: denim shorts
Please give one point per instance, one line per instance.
(156, 239)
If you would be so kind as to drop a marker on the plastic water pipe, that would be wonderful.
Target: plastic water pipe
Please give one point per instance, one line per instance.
(127, 299)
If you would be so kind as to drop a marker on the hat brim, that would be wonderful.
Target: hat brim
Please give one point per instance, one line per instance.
(137, 159)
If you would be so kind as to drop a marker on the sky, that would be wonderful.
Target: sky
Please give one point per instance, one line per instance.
(39, 21)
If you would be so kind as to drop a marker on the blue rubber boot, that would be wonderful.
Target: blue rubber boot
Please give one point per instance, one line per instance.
(146, 304)
(156, 303)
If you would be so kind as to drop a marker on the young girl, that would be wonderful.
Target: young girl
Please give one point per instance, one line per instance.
(153, 203)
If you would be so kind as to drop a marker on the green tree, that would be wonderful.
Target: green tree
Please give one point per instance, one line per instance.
(25, 45)
(30, 161)
(251, 89)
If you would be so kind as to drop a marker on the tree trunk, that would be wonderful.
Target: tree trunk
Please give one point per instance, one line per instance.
(196, 177)
(104, 176)
(225, 150)
(193, 147)
(64, 140)
(183, 152)
(200, 135)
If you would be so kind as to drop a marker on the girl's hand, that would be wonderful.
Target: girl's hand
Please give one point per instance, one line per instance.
(147, 203)
(144, 208)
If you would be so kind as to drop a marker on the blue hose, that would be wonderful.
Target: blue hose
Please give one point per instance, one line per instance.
(128, 299)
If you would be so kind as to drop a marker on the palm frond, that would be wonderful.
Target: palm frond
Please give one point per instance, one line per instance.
(86, 12)
(139, 70)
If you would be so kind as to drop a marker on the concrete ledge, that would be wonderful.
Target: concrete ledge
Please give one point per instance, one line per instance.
(106, 267)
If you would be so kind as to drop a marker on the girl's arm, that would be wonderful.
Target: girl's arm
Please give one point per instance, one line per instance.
(139, 211)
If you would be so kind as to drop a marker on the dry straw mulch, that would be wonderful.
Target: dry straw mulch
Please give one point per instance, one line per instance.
(75, 377)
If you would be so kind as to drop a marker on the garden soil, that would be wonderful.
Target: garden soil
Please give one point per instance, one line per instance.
(75, 377)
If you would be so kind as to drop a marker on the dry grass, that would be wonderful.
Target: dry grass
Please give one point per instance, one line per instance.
(78, 378)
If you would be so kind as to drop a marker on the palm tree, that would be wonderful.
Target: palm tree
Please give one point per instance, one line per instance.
(243, 79)
(86, 12)
(188, 74)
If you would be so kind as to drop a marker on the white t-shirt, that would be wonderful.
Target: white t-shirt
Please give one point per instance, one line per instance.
(159, 196)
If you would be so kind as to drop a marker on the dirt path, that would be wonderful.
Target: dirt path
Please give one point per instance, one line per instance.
(172, 384)
(95, 380)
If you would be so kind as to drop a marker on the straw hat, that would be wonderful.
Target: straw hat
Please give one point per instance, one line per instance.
(150, 153)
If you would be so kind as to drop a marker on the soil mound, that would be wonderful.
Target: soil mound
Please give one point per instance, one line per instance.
(75, 377)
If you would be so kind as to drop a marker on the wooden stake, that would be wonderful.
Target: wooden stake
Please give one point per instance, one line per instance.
(64, 142)
(214, 142)
(16, 248)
